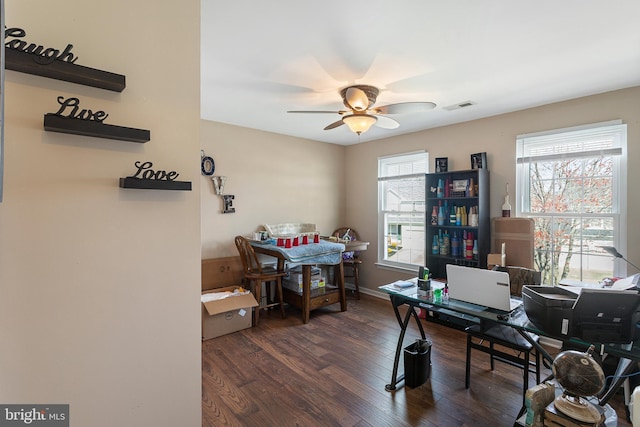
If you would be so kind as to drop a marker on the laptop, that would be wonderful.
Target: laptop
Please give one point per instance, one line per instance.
(482, 287)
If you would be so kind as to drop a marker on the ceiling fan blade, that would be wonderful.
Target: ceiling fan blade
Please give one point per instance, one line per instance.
(334, 125)
(314, 112)
(386, 122)
(356, 99)
(405, 108)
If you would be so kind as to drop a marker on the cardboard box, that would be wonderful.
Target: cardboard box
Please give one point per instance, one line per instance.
(317, 281)
(221, 272)
(227, 315)
(517, 235)
(493, 260)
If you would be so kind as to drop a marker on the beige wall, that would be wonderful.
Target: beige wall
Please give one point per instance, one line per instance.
(274, 179)
(99, 286)
(496, 136)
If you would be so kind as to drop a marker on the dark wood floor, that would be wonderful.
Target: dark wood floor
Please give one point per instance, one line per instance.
(332, 372)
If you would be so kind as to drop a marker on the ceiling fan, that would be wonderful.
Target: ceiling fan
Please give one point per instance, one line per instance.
(361, 113)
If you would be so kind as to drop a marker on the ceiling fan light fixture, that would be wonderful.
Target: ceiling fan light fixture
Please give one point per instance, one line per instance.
(359, 123)
(359, 97)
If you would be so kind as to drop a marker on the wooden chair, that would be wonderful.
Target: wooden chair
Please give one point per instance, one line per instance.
(513, 348)
(255, 275)
(352, 262)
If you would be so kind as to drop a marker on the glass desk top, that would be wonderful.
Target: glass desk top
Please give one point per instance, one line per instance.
(516, 319)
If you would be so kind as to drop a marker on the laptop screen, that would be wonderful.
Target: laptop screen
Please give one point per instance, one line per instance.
(479, 286)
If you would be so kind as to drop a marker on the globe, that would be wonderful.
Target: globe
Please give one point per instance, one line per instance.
(579, 375)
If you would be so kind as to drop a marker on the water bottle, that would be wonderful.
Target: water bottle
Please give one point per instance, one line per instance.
(435, 247)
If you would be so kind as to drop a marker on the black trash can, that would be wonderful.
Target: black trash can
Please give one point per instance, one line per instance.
(417, 363)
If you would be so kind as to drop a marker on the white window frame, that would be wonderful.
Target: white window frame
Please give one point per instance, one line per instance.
(619, 184)
(382, 226)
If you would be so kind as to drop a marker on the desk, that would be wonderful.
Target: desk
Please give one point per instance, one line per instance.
(629, 354)
(325, 253)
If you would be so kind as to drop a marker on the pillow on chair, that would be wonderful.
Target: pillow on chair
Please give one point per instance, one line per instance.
(519, 276)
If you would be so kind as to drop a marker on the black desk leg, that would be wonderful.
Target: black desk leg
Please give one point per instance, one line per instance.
(396, 302)
(545, 355)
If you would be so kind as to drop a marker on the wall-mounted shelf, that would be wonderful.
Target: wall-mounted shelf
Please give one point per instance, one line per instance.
(56, 123)
(60, 70)
(154, 184)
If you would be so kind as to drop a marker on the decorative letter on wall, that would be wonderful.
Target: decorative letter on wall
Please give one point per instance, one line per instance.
(227, 199)
(228, 203)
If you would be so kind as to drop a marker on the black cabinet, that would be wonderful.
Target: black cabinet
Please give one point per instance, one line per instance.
(458, 227)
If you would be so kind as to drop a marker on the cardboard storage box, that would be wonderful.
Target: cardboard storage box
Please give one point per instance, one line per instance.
(231, 314)
(317, 281)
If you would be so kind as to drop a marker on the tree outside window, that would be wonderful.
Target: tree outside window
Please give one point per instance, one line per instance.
(569, 182)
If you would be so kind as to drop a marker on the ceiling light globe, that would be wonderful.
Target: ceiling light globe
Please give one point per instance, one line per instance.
(359, 123)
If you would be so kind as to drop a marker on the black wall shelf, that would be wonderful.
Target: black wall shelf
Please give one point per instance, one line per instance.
(154, 184)
(56, 123)
(60, 70)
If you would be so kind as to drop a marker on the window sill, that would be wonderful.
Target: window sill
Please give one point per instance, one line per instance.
(410, 270)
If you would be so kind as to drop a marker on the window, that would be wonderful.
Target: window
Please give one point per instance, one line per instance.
(401, 204)
(572, 182)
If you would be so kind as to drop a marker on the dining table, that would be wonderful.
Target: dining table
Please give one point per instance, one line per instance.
(308, 255)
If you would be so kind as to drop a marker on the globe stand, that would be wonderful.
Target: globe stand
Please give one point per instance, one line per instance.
(577, 408)
(579, 375)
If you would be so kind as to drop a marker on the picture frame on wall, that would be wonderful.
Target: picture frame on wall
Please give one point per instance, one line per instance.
(442, 164)
(479, 161)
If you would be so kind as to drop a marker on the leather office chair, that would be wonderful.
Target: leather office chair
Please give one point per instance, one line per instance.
(255, 275)
(351, 261)
(513, 348)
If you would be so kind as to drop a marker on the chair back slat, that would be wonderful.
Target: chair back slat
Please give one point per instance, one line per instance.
(250, 263)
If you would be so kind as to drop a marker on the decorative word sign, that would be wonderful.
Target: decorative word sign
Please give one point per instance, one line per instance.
(71, 119)
(145, 172)
(73, 113)
(44, 56)
(148, 178)
(33, 58)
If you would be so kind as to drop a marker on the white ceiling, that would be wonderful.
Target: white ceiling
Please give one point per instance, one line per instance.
(263, 58)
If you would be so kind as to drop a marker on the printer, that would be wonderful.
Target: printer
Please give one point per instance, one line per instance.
(595, 315)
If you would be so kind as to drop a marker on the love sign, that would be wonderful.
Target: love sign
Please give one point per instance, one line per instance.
(145, 171)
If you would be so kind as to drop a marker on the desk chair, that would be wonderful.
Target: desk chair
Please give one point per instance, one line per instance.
(255, 275)
(350, 261)
(485, 336)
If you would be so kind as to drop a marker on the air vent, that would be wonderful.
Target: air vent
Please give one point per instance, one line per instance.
(459, 105)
